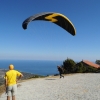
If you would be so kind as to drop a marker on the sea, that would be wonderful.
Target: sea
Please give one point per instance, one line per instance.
(39, 67)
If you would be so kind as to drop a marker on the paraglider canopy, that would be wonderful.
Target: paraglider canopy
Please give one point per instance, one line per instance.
(56, 18)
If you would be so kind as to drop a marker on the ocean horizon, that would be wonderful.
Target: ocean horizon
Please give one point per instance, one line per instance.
(39, 67)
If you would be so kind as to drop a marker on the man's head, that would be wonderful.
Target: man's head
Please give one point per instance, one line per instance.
(11, 67)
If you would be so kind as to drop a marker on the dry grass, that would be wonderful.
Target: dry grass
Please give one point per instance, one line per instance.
(2, 89)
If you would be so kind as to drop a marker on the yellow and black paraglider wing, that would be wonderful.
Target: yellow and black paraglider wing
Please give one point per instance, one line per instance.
(56, 18)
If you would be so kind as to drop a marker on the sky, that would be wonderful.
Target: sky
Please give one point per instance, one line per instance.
(45, 40)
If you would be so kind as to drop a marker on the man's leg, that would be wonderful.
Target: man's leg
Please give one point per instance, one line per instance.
(60, 75)
(13, 97)
(14, 90)
(8, 97)
(8, 91)
(63, 76)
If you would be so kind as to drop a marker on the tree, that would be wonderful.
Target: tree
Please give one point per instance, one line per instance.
(97, 62)
(68, 65)
(80, 68)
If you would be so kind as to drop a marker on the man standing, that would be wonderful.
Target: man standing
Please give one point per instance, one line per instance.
(60, 71)
(11, 78)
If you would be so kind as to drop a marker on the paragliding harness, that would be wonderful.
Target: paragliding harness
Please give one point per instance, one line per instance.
(60, 69)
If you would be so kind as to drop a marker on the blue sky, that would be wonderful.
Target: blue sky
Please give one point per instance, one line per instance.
(45, 40)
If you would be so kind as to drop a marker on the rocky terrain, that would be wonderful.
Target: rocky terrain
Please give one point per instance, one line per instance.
(85, 86)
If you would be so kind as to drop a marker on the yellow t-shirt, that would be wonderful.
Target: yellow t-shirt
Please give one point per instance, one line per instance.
(11, 76)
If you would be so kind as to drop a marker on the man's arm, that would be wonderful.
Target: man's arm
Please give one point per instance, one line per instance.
(20, 76)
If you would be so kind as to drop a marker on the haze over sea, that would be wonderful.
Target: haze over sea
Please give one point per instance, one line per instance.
(40, 67)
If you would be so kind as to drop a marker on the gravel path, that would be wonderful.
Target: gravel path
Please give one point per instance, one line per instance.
(71, 87)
